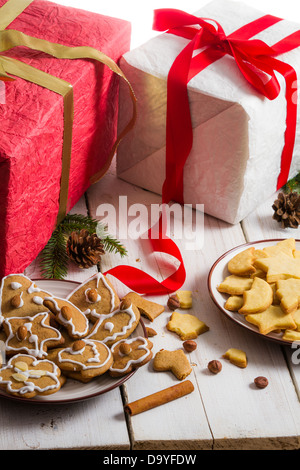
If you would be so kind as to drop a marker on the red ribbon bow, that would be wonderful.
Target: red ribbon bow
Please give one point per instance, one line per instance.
(256, 61)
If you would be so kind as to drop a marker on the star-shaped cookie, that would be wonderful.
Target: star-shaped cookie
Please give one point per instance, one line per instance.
(272, 319)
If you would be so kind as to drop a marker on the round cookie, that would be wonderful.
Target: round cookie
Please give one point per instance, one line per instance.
(95, 297)
(31, 335)
(116, 325)
(25, 376)
(84, 360)
(129, 354)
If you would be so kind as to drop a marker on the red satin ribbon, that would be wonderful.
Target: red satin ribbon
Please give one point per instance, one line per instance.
(256, 61)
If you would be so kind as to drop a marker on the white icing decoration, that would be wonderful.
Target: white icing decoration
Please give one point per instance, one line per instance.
(87, 298)
(30, 386)
(109, 326)
(38, 350)
(21, 301)
(38, 300)
(96, 359)
(32, 288)
(54, 303)
(132, 361)
(15, 285)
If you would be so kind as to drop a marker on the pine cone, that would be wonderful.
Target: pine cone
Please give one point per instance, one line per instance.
(287, 209)
(84, 249)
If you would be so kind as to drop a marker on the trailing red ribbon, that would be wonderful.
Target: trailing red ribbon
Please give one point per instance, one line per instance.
(256, 61)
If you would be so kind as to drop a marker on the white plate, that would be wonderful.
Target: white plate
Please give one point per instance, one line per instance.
(74, 390)
(219, 271)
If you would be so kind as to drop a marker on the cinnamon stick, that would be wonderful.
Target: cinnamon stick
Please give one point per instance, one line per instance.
(159, 398)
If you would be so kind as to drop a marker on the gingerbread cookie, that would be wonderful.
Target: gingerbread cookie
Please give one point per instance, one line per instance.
(69, 316)
(129, 354)
(25, 376)
(95, 297)
(20, 296)
(173, 361)
(84, 360)
(116, 325)
(147, 308)
(32, 335)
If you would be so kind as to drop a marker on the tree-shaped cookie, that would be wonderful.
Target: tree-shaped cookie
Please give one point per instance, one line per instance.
(95, 297)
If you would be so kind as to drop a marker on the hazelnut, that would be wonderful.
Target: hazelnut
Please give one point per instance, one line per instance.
(190, 345)
(66, 312)
(214, 366)
(261, 382)
(77, 345)
(92, 295)
(173, 302)
(150, 331)
(21, 333)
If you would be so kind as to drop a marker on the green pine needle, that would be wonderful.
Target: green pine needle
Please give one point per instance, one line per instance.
(293, 185)
(54, 260)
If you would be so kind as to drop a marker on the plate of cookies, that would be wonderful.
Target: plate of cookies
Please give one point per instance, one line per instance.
(257, 285)
(63, 341)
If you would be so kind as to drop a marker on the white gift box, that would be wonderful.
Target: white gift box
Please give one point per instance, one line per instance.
(238, 134)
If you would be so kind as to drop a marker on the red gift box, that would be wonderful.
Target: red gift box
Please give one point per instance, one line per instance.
(31, 133)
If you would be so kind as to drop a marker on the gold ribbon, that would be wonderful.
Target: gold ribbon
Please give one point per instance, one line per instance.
(12, 38)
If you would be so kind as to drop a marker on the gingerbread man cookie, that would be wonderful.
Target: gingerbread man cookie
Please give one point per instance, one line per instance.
(84, 360)
(95, 297)
(20, 296)
(129, 354)
(69, 316)
(25, 376)
(116, 325)
(32, 335)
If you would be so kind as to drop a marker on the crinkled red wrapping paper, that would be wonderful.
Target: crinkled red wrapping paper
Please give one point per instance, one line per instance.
(31, 128)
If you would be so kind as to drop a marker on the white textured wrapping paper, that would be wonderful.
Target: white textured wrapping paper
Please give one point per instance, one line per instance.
(238, 135)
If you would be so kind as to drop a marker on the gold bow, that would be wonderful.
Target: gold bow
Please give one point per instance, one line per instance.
(12, 38)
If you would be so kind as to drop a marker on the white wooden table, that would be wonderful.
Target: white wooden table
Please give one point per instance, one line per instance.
(225, 411)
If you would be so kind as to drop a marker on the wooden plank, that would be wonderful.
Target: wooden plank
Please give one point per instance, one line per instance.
(96, 423)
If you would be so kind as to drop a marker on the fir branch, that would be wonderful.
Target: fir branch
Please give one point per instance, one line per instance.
(293, 185)
(77, 222)
(112, 245)
(53, 258)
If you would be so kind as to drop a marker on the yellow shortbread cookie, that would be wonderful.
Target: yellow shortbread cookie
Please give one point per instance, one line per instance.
(286, 246)
(288, 292)
(236, 357)
(235, 285)
(272, 319)
(185, 298)
(258, 298)
(291, 335)
(186, 326)
(234, 303)
(242, 263)
(296, 317)
(279, 267)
